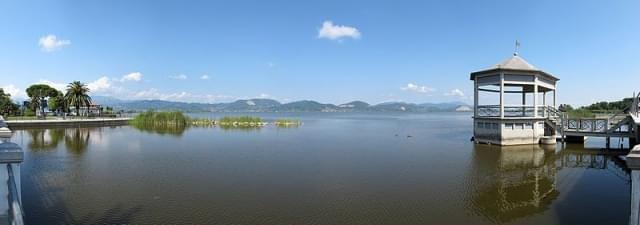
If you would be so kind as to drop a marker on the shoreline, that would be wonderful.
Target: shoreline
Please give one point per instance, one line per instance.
(15, 124)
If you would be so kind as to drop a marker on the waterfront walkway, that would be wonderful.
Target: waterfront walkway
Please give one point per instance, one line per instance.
(67, 122)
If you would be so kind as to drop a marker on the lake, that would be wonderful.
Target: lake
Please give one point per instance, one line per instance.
(337, 168)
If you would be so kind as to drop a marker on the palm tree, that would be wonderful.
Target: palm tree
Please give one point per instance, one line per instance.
(77, 95)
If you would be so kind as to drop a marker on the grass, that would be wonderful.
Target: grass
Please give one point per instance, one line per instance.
(244, 121)
(160, 119)
(287, 122)
(203, 122)
(580, 113)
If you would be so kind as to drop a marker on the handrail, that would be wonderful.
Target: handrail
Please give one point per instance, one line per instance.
(15, 206)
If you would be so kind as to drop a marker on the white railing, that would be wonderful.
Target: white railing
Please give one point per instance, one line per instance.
(509, 111)
(15, 206)
(588, 125)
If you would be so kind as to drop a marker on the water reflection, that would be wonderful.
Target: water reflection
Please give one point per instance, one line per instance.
(162, 130)
(508, 183)
(240, 128)
(43, 140)
(512, 182)
(76, 140)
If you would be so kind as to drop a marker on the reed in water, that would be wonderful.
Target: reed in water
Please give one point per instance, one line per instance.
(153, 118)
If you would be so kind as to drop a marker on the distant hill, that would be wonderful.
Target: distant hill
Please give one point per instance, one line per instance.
(254, 105)
(306, 106)
(355, 105)
(270, 105)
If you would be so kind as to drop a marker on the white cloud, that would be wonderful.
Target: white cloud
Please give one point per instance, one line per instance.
(204, 77)
(179, 77)
(59, 86)
(102, 84)
(455, 92)
(14, 91)
(337, 32)
(263, 95)
(417, 88)
(51, 43)
(135, 76)
(179, 96)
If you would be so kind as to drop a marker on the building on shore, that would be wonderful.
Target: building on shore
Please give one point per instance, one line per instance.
(93, 109)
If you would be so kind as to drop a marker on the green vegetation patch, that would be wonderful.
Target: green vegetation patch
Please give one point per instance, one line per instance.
(287, 123)
(241, 121)
(580, 113)
(152, 118)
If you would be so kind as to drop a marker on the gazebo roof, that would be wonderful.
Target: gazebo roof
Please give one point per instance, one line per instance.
(515, 64)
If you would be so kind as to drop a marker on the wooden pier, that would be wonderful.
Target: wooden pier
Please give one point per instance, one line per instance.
(622, 124)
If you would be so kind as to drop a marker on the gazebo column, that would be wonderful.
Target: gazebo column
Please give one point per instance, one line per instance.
(535, 97)
(501, 95)
(475, 98)
(554, 96)
(524, 102)
(544, 103)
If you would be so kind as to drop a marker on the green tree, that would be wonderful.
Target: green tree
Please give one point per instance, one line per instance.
(565, 107)
(38, 94)
(6, 105)
(57, 102)
(77, 95)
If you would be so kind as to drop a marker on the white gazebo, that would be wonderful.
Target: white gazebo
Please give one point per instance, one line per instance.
(504, 119)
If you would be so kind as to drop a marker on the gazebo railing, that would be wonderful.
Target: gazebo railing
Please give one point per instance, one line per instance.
(509, 111)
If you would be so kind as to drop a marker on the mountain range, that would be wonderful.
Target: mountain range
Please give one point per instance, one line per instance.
(270, 105)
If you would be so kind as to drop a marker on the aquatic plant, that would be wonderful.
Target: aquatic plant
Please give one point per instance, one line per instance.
(153, 118)
(246, 121)
(287, 123)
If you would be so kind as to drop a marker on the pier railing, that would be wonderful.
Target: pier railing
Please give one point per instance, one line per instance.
(11, 156)
(13, 197)
(587, 125)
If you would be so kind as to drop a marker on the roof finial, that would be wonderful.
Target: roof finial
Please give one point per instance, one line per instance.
(515, 51)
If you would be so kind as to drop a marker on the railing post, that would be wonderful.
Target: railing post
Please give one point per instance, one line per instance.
(633, 163)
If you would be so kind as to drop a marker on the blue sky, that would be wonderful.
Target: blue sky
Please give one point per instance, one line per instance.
(376, 51)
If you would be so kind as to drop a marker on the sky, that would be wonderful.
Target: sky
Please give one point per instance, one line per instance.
(328, 51)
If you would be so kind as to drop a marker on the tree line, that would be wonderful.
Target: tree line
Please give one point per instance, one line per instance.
(43, 96)
(598, 107)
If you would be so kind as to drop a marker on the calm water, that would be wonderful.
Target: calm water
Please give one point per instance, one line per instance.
(335, 169)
